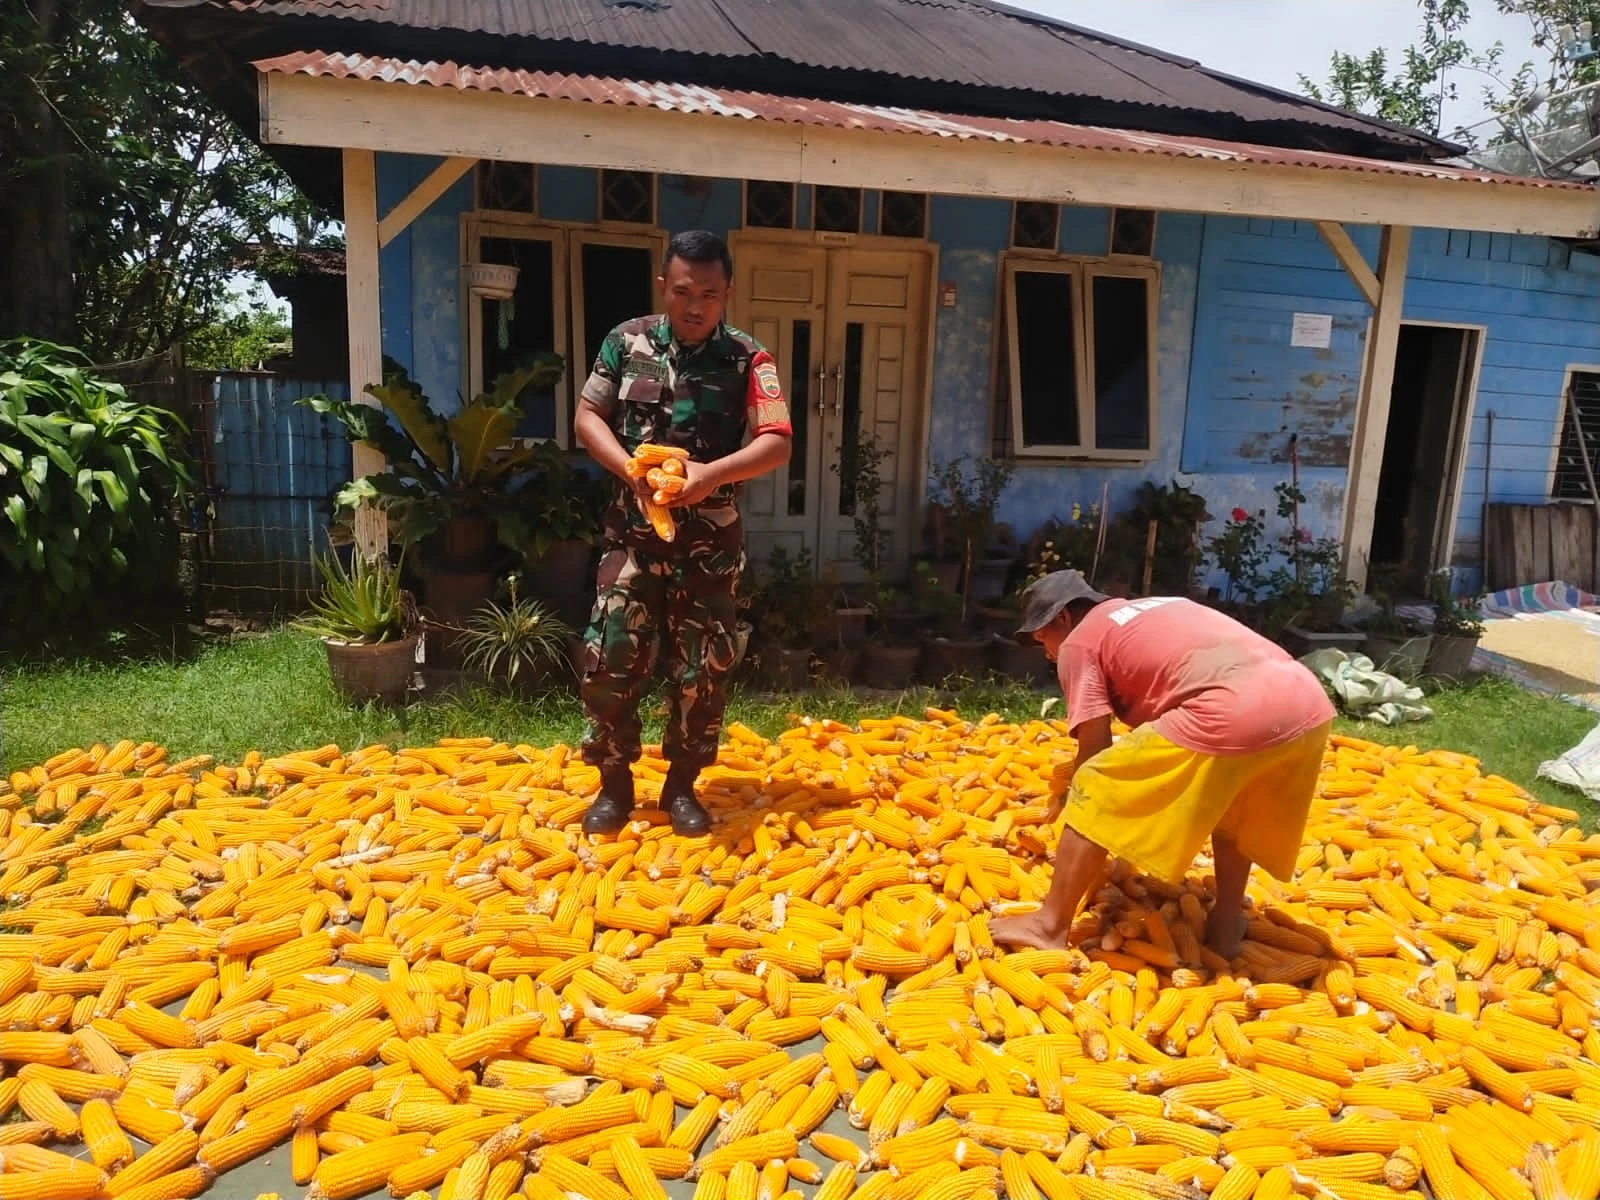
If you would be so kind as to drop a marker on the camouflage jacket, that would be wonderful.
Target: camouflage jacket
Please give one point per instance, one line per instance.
(703, 398)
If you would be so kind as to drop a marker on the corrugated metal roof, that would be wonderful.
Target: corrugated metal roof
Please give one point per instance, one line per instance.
(761, 106)
(1005, 54)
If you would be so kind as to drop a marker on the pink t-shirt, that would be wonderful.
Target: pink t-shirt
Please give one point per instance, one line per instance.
(1205, 681)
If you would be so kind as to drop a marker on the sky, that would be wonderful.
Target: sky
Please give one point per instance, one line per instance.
(1276, 41)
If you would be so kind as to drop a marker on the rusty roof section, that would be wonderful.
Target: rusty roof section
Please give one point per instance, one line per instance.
(761, 106)
(967, 56)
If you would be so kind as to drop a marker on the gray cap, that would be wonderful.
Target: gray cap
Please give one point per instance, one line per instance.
(1046, 597)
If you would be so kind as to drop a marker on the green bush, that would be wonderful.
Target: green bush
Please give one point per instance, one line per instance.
(89, 482)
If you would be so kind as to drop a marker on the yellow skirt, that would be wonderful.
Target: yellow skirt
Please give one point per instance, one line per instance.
(1155, 804)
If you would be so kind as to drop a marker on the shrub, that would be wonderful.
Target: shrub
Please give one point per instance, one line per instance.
(89, 485)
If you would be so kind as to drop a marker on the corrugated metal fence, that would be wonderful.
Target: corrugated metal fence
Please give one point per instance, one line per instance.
(269, 468)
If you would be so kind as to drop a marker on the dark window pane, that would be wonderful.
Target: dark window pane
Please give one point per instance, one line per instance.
(903, 214)
(1046, 359)
(1133, 231)
(628, 196)
(1121, 362)
(515, 332)
(506, 186)
(617, 286)
(769, 205)
(838, 209)
(850, 418)
(1572, 481)
(1034, 224)
(799, 414)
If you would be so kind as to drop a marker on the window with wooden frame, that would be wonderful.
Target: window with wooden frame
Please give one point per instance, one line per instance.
(769, 204)
(1133, 232)
(903, 214)
(574, 285)
(1079, 357)
(835, 209)
(627, 197)
(1581, 416)
(1035, 225)
(508, 186)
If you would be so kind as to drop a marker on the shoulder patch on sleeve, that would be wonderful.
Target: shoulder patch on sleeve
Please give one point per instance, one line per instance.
(766, 374)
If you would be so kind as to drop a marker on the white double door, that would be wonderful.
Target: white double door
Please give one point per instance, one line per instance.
(848, 326)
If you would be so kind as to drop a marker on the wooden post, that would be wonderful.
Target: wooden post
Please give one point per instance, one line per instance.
(1149, 555)
(366, 332)
(1372, 411)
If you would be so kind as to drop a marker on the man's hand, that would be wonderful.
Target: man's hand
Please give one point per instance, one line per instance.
(699, 481)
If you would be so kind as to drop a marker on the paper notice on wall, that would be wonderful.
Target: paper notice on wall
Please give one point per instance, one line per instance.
(1313, 330)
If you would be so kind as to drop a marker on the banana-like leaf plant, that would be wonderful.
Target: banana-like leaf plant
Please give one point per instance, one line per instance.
(439, 466)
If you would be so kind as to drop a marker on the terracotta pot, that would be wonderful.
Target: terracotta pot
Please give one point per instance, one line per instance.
(944, 658)
(465, 542)
(450, 599)
(890, 668)
(1450, 656)
(372, 671)
(999, 621)
(563, 569)
(1016, 661)
(847, 627)
(1400, 655)
(793, 672)
(989, 577)
(842, 664)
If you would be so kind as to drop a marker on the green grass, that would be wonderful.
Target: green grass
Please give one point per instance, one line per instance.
(271, 693)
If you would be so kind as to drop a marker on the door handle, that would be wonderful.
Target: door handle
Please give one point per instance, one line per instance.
(838, 391)
(822, 389)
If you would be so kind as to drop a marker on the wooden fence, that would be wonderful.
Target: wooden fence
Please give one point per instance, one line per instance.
(1539, 543)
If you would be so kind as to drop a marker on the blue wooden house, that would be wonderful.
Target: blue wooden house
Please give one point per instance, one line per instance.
(962, 229)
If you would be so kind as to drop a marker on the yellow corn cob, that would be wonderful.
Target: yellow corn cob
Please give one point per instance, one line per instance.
(574, 1177)
(761, 1147)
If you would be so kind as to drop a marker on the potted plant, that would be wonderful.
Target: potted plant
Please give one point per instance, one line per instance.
(520, 644)
(1014, 659)
(861, 479)
(969, 501)
(1240, 552)
(950, 647)
(368, 625)
(554, 522)
(1307, 594)
(786, 616)
(1457, 630)
(895, 647)
(1395, 644)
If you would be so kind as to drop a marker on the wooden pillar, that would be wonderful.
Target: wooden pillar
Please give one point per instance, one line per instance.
(1372, 410)
(366, 333)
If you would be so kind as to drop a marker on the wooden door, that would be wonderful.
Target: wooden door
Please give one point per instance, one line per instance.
(848, 328)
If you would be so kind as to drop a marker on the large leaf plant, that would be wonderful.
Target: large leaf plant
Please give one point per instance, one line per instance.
(439, 467)
(90, 482)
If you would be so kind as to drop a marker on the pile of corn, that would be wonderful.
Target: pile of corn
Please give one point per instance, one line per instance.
(409, 967)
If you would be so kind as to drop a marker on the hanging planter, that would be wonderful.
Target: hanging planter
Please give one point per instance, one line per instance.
(491, 281)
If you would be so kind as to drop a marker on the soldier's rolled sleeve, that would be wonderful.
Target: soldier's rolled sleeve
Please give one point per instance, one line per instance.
(605, 378)
(765, 406)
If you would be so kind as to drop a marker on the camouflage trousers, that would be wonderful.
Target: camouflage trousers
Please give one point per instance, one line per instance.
(670, 608)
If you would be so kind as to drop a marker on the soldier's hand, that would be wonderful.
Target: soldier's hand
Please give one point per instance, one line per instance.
(699, 481)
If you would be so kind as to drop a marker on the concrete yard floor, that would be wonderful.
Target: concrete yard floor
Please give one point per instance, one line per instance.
(1556, 652)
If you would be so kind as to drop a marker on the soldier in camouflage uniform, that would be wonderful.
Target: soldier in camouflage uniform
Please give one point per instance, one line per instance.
(683, 378)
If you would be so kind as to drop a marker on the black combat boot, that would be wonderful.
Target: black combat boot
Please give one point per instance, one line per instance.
(688, 815)
(614, 805)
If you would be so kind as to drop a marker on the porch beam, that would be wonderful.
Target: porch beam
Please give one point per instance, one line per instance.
(1351, 259)
(365, 327)
(1372, 409)
(439, 181)
(402, 118)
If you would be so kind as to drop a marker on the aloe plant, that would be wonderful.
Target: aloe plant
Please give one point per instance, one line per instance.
(362, 603)
(439, 467)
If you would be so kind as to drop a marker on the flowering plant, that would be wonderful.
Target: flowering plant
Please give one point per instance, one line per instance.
(1240, 552)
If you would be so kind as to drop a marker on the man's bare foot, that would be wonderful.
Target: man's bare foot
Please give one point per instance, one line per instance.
(1034, 929)
(1223, 940)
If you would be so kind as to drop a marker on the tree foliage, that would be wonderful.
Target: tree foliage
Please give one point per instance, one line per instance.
(1429, 74)
(125, 194)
